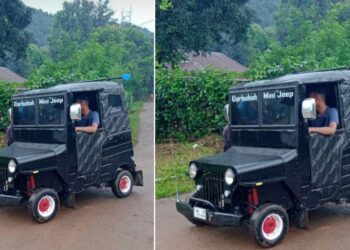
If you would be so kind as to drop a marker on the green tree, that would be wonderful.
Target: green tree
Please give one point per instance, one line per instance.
(73, 25)
(14, 18)
(194, 25)
(296, 18)
(325, 45)
(109, 51)
(36, 56)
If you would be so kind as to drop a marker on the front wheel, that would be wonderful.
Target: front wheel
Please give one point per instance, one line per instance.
(122, 184)
(269, 224)
(44, 204)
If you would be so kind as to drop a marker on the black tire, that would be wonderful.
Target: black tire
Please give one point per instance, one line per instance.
(269, 224)
(44, 204)
(119, 181)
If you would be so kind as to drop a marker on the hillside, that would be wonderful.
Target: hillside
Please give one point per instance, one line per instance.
(40, 27)
(263, 11)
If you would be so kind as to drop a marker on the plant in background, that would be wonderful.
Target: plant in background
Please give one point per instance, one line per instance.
(7, 89)
(190, 105)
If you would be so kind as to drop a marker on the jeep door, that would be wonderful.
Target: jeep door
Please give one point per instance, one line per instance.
(89, 148)
(326, 152)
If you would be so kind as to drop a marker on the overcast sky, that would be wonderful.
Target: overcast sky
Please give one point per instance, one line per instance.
(142, 10)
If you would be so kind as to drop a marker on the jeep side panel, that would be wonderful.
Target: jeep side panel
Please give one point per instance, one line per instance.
(117, 147)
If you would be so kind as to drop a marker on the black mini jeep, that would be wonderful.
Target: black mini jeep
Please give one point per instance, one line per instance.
(274, 169)
(48, 161)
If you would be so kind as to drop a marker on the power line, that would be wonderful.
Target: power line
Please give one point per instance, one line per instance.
(149, 21)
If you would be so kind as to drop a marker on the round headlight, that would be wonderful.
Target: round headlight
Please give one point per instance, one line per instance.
(192, 170)
(12, 166)
(229, 177)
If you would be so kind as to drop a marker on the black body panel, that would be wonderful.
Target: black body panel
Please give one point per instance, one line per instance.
(25, 153)
(41, 135)
(251, 164)
(326, 154)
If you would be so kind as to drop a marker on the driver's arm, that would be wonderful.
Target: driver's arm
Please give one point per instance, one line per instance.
(330, 130)
(89, 129)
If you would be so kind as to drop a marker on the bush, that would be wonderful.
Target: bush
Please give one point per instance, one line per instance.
(190, 105)
(7, 89)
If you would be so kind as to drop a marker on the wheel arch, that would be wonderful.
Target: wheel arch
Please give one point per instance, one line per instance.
(276, 193)
(127, 166)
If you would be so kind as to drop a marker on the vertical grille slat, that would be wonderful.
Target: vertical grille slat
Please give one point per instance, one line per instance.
(3, 176)
(213, 187)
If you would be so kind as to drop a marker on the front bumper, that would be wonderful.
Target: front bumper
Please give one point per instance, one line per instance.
(213, 217)
(139, 178)
(10, 200)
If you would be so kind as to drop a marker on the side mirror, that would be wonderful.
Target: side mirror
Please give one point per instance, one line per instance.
(75, 112)
(227, 111)
(309, 108)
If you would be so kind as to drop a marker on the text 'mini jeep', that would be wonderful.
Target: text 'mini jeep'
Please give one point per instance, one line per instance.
(275, 169)
(48, 160)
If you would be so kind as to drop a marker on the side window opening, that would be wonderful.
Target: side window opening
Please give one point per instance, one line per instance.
(115, 101)
(93, 97)
(332, 96)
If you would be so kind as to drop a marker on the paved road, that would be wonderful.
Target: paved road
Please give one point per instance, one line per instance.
(329, 229)
(100, 221)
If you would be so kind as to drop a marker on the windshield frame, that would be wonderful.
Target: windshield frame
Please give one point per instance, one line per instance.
(36, 104)
(259, 90)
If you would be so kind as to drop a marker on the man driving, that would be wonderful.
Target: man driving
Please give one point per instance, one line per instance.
(90, 119)
(327, 119)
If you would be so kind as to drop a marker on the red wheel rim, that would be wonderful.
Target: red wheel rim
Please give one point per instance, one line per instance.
(124, 184)
(44, 205)
(269, 225)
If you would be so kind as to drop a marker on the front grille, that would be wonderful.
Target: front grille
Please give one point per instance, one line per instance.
(3, 177)
(213, 188)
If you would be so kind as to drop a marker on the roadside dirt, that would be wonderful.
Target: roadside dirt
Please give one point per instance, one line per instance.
(329, 229)
(100, 221)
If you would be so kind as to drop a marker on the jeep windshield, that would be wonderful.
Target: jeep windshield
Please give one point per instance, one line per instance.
(39, 111)
(273, 107)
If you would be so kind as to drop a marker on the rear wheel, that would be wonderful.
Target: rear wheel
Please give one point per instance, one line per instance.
(269, 224)
(123, 184)
(44, 204)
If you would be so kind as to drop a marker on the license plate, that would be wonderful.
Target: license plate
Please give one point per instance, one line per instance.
(200, 213)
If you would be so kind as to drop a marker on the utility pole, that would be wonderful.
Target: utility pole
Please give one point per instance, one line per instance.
(126, 15)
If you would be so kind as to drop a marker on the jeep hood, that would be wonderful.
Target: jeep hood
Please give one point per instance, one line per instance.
(25, 152)
(250, 163)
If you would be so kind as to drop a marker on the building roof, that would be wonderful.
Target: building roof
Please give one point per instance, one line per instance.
(8, 75)
(214, 60)
(326, 76)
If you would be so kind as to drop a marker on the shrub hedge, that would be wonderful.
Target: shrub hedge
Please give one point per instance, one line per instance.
(7, 89)
(190, 105)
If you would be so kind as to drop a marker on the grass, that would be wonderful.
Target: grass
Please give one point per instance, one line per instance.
(172, 163)
(134, 116)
